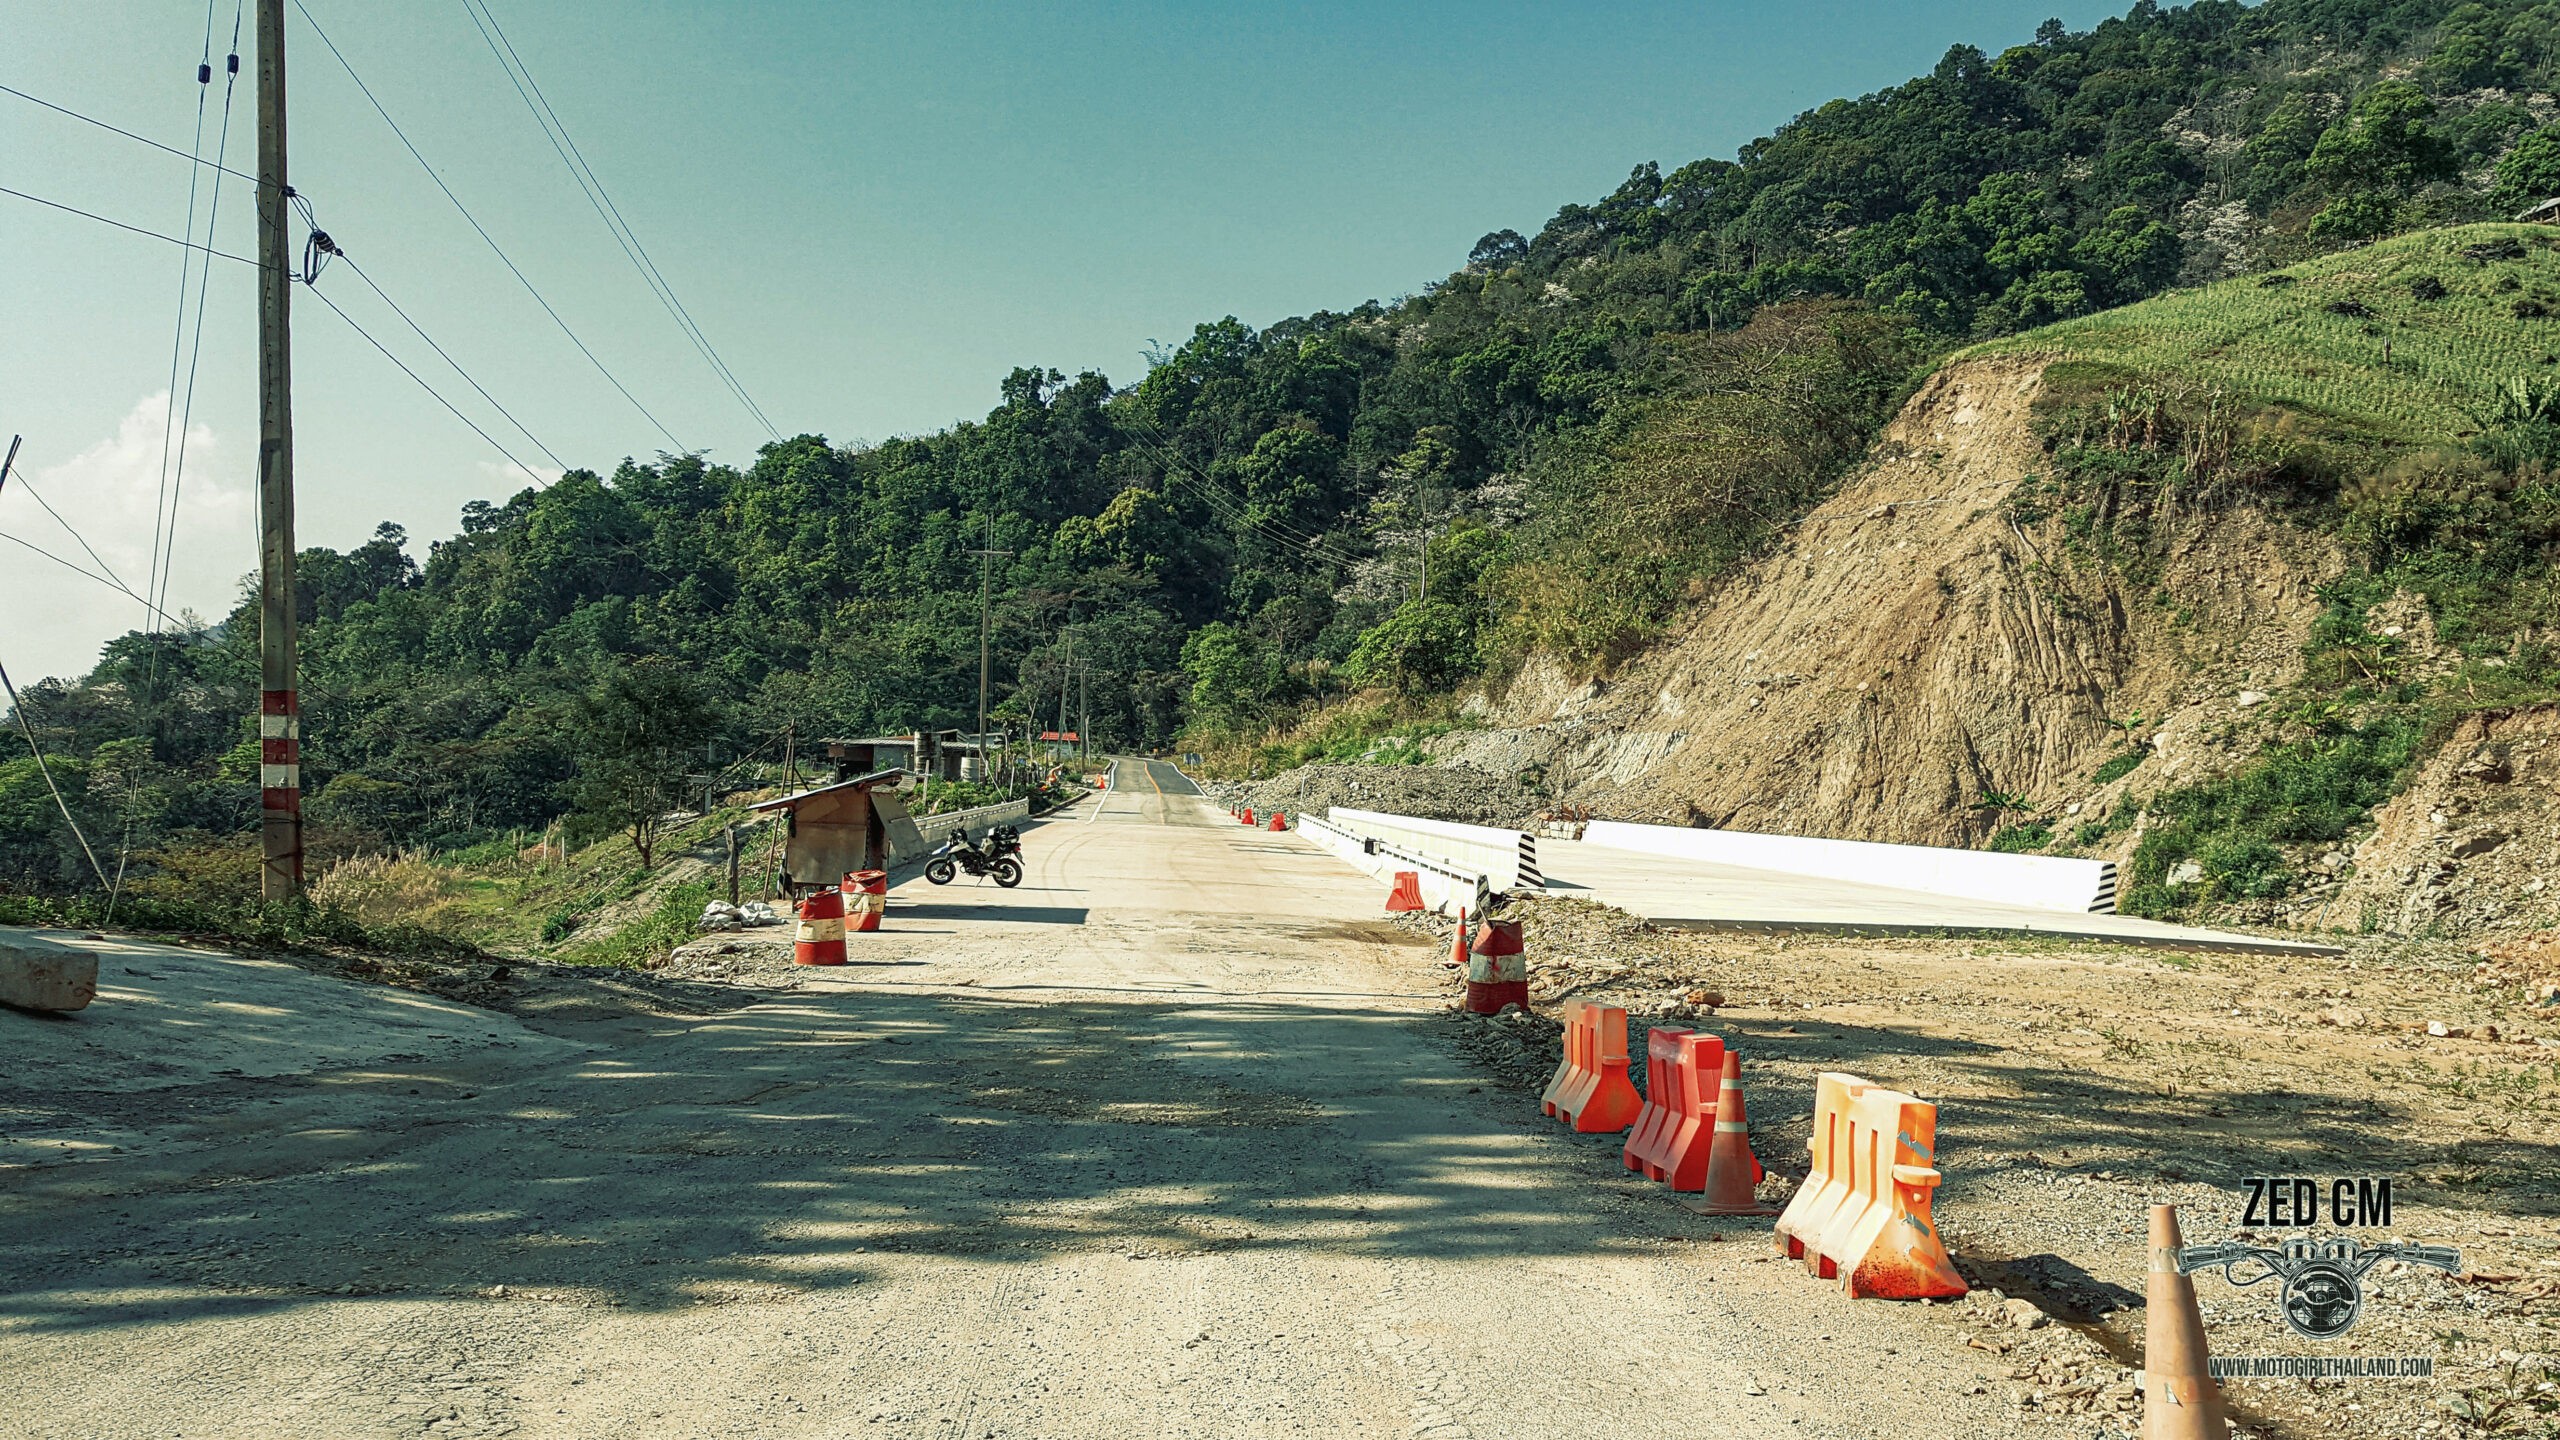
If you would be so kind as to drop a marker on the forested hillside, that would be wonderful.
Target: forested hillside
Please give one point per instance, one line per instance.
(1565, 436)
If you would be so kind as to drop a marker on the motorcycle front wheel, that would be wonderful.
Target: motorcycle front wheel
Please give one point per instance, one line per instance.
(1008, 872)
(938, 871)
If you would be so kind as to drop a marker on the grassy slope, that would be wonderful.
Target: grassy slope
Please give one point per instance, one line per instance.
(2279, 343)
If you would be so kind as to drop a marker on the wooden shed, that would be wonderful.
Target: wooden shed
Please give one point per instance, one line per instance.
(833, 830)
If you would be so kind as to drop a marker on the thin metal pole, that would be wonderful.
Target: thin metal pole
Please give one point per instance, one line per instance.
(279, 701)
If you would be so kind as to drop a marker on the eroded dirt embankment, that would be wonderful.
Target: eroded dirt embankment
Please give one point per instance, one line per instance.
(1911, 649)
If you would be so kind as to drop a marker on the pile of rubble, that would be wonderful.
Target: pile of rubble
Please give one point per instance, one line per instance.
(1461, 793)
(721, 915)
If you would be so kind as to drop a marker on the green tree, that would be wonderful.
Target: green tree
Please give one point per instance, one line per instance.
(2530, 173)
(639, 731)
(1423, 647)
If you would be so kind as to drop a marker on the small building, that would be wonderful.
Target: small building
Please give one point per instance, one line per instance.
(832, 830)
(2542, 214)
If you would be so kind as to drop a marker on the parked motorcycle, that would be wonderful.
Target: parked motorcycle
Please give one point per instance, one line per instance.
(998, 858)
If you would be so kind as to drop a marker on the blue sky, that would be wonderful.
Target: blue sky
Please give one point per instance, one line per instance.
(873, 212)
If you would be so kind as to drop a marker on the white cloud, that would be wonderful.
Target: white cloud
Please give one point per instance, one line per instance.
(508, 478)
(52, 621)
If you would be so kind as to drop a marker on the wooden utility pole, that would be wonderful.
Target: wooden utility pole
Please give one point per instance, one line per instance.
(279, 704)
(986, 575)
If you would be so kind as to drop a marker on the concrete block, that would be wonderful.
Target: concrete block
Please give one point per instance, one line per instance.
(41, 974)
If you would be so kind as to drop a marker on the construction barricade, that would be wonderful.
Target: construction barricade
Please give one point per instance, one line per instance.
(1498, 971)
(820, 937)
(1248, 815)
(866, 899)
(1590, 1090)
(1279, 821)
(1862, 1214)
(1406, 894)
(1675, 1129)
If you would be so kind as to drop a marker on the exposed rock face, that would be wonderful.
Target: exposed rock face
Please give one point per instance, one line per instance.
(2471, 845)
(1911, 650)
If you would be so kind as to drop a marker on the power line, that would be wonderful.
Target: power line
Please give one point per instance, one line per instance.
(18, 708)
(187, 415)
(30, 487)
(136, 229)
(592, 185)
(449, 360)
(482, 231)
(116, 585)
(129, 135)
(1232, 509)
(178, 327)
(321, 296)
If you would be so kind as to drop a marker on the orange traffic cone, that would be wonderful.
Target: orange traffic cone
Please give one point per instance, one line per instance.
(1458, 950)
(1732, 1169)
(2180, 1400)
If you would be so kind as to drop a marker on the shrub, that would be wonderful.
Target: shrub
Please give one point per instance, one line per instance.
(2020, 839)
(2119, 766)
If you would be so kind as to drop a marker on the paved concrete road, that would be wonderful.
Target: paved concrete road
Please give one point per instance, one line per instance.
(1167, 1142)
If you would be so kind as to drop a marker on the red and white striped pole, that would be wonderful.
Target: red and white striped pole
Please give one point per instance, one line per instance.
(280, 792)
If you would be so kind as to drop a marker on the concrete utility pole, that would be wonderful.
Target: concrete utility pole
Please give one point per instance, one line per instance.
(279, 704)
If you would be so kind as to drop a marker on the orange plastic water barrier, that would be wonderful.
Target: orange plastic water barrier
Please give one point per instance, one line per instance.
(1826, 1184)
(1279, 821)
(1672, 1135)
(1248, 815)
(1406, 894)
(1591, 1090)
(1865, 1207)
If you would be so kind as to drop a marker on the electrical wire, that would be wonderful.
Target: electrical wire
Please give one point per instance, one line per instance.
(178, 328)
(1232, 509)
(546, 450)
(116, 585)
(136, 229)
(553, 129)
(1228, 508)
(187, 415)
(421, 383)
(83, 541)
(18, 708)
(491, 241)
(129, 135)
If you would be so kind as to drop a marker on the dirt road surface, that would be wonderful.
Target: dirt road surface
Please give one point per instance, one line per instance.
(1168, 1142)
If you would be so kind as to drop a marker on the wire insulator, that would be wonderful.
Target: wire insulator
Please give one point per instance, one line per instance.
(204, 74)
(232, 66)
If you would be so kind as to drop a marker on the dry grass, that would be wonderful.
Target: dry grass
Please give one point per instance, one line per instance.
(403, 889)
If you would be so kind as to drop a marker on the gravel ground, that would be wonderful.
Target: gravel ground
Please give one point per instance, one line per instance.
(2078, 1084)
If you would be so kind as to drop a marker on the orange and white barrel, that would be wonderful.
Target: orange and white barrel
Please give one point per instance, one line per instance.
(1497, 970)
(866, 899)
(820, 939)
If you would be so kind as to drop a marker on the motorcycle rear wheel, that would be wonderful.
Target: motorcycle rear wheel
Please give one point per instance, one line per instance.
(939, 872)
(1007, 872)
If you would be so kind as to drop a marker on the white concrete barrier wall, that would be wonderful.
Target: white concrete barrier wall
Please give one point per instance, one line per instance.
(2046, 882)
(1496, 853)
(1446, 889)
